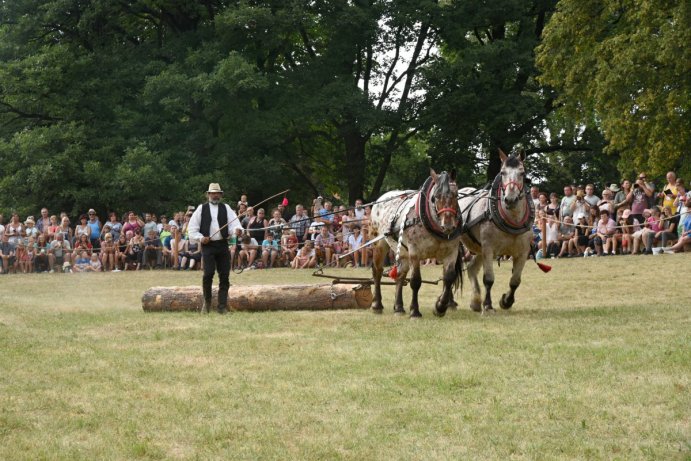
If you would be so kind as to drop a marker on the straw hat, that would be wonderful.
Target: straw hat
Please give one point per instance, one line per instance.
(613, 187)
(214, 187)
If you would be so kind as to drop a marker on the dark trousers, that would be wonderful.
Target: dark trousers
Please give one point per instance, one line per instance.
(216, 257)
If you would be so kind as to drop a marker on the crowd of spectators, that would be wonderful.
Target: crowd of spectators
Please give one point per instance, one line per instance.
(628, 218)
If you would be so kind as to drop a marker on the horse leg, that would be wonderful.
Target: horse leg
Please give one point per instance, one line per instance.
(415, 284)
(507, 299)
(398, 308)
(475, 296)
(377, 270)
(447, 294)
(487, 277)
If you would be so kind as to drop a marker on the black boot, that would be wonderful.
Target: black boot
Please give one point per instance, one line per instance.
(222, 310)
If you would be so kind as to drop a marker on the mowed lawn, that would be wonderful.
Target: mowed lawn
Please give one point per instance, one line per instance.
(593, 362)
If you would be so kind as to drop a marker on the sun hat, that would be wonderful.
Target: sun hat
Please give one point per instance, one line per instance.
(613, 188)
(29, 221)
(214, 187)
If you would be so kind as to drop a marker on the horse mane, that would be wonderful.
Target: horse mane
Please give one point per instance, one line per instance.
(443, 184)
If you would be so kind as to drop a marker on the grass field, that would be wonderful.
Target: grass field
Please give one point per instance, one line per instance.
(593, 362)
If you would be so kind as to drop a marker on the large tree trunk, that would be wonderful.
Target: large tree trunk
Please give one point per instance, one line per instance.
(355, 160)
(262, 298)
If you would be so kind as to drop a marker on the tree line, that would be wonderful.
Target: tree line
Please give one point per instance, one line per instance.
(141, 103)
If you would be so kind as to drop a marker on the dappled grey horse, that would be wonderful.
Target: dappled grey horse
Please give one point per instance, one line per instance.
(498, 222)
(418, 225)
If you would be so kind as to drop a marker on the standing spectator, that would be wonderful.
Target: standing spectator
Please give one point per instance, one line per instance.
(81, 229)
(14, 229)
(257, 226)
(115, 226)
(606, 203)
(30, 230)
(590, 196)
(359, 210)
(243, 201)
(566, 202)
(669, 192)
(551, 208)
(300, 222)
(249, 215)
(65, 230)
(640, 196)
(133, 223)
(535, 196)
(52, 228)
(579, 205)
(276, 225)
(149, 225)
(285, 213)
(620, 197)
(7, 255)
(43, 221)
(94, 229)
(579, 242)
(552, 236)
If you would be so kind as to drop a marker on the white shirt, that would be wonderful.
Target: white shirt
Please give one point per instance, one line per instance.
(196, 222)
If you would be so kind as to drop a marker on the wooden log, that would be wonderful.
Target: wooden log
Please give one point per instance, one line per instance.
(258, 298)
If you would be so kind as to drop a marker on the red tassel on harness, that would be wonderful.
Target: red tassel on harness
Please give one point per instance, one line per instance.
(544, 267)
(285, 201)
(393, 273)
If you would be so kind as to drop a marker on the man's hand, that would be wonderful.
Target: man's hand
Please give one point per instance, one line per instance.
(205, 240)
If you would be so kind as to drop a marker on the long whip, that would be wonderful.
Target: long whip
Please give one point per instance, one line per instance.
(243, 214)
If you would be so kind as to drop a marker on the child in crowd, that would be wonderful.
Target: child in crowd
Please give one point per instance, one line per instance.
(95, 264)
(306, 257)
(81, 263)
(270, 251)
(354, 243)
(289, 245)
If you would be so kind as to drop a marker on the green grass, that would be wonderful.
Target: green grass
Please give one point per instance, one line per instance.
(593, 362)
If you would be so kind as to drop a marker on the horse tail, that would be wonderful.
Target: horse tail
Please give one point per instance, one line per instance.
(458, 267)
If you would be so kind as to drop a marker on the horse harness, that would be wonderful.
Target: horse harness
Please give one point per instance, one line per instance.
(423, 214)
(496, 214)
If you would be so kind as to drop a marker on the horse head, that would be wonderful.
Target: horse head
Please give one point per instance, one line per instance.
(445, 198)
(512, 176)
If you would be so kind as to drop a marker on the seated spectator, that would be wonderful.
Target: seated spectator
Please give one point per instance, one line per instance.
(551, 208)
(366, 250)
(621, 195)
(82, 262)
(326, 215)
(65, 230)
(94, 265)
(257, 225)
(684, 241)
(567, 231)
(668, 232)
(323, 243)
(248, 251)
(355, 241)
(234, 247)
(52, 228)
(135, 249)
(606, 203)
(115, 226)
(120, 253)
(590, 196)
(276, 225)
(194, 254)
(59, 252)
(637, 237)
(108, 249)
(243, 200)
(552, 237)
(167, 246)
(270, 251)
(289, 246)
(543, 202)
(41, 261)
(339, 248)
(579, 205)
(579, 242)
(653, 225)
(603, 235)
(7, 255)
(306, 257)
(152, 249)
(249, 216)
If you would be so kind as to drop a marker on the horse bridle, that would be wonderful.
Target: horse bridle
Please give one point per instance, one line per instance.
(519, 186)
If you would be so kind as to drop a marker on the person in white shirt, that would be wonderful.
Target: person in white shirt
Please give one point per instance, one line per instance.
(211, 224)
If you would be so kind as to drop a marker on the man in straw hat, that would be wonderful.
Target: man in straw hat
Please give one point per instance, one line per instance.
(211, 224)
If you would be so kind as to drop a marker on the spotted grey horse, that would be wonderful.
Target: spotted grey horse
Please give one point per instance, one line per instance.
(418, 225)
(497, 222)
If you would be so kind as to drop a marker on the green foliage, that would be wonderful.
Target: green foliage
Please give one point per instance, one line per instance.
(625, 64)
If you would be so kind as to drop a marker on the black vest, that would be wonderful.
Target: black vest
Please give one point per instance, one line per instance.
(222, 220)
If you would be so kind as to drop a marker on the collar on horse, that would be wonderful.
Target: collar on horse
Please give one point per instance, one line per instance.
(429, 213)
(499, 216)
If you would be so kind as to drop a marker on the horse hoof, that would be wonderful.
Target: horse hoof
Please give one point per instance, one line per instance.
(399, 311)
(414, 315)
(503, 304)
(453, 305)
(377, 310)
(475, 307)
(488, 310)
(439, 313)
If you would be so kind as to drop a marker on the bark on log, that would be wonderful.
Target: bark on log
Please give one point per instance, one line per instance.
(262, 298)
